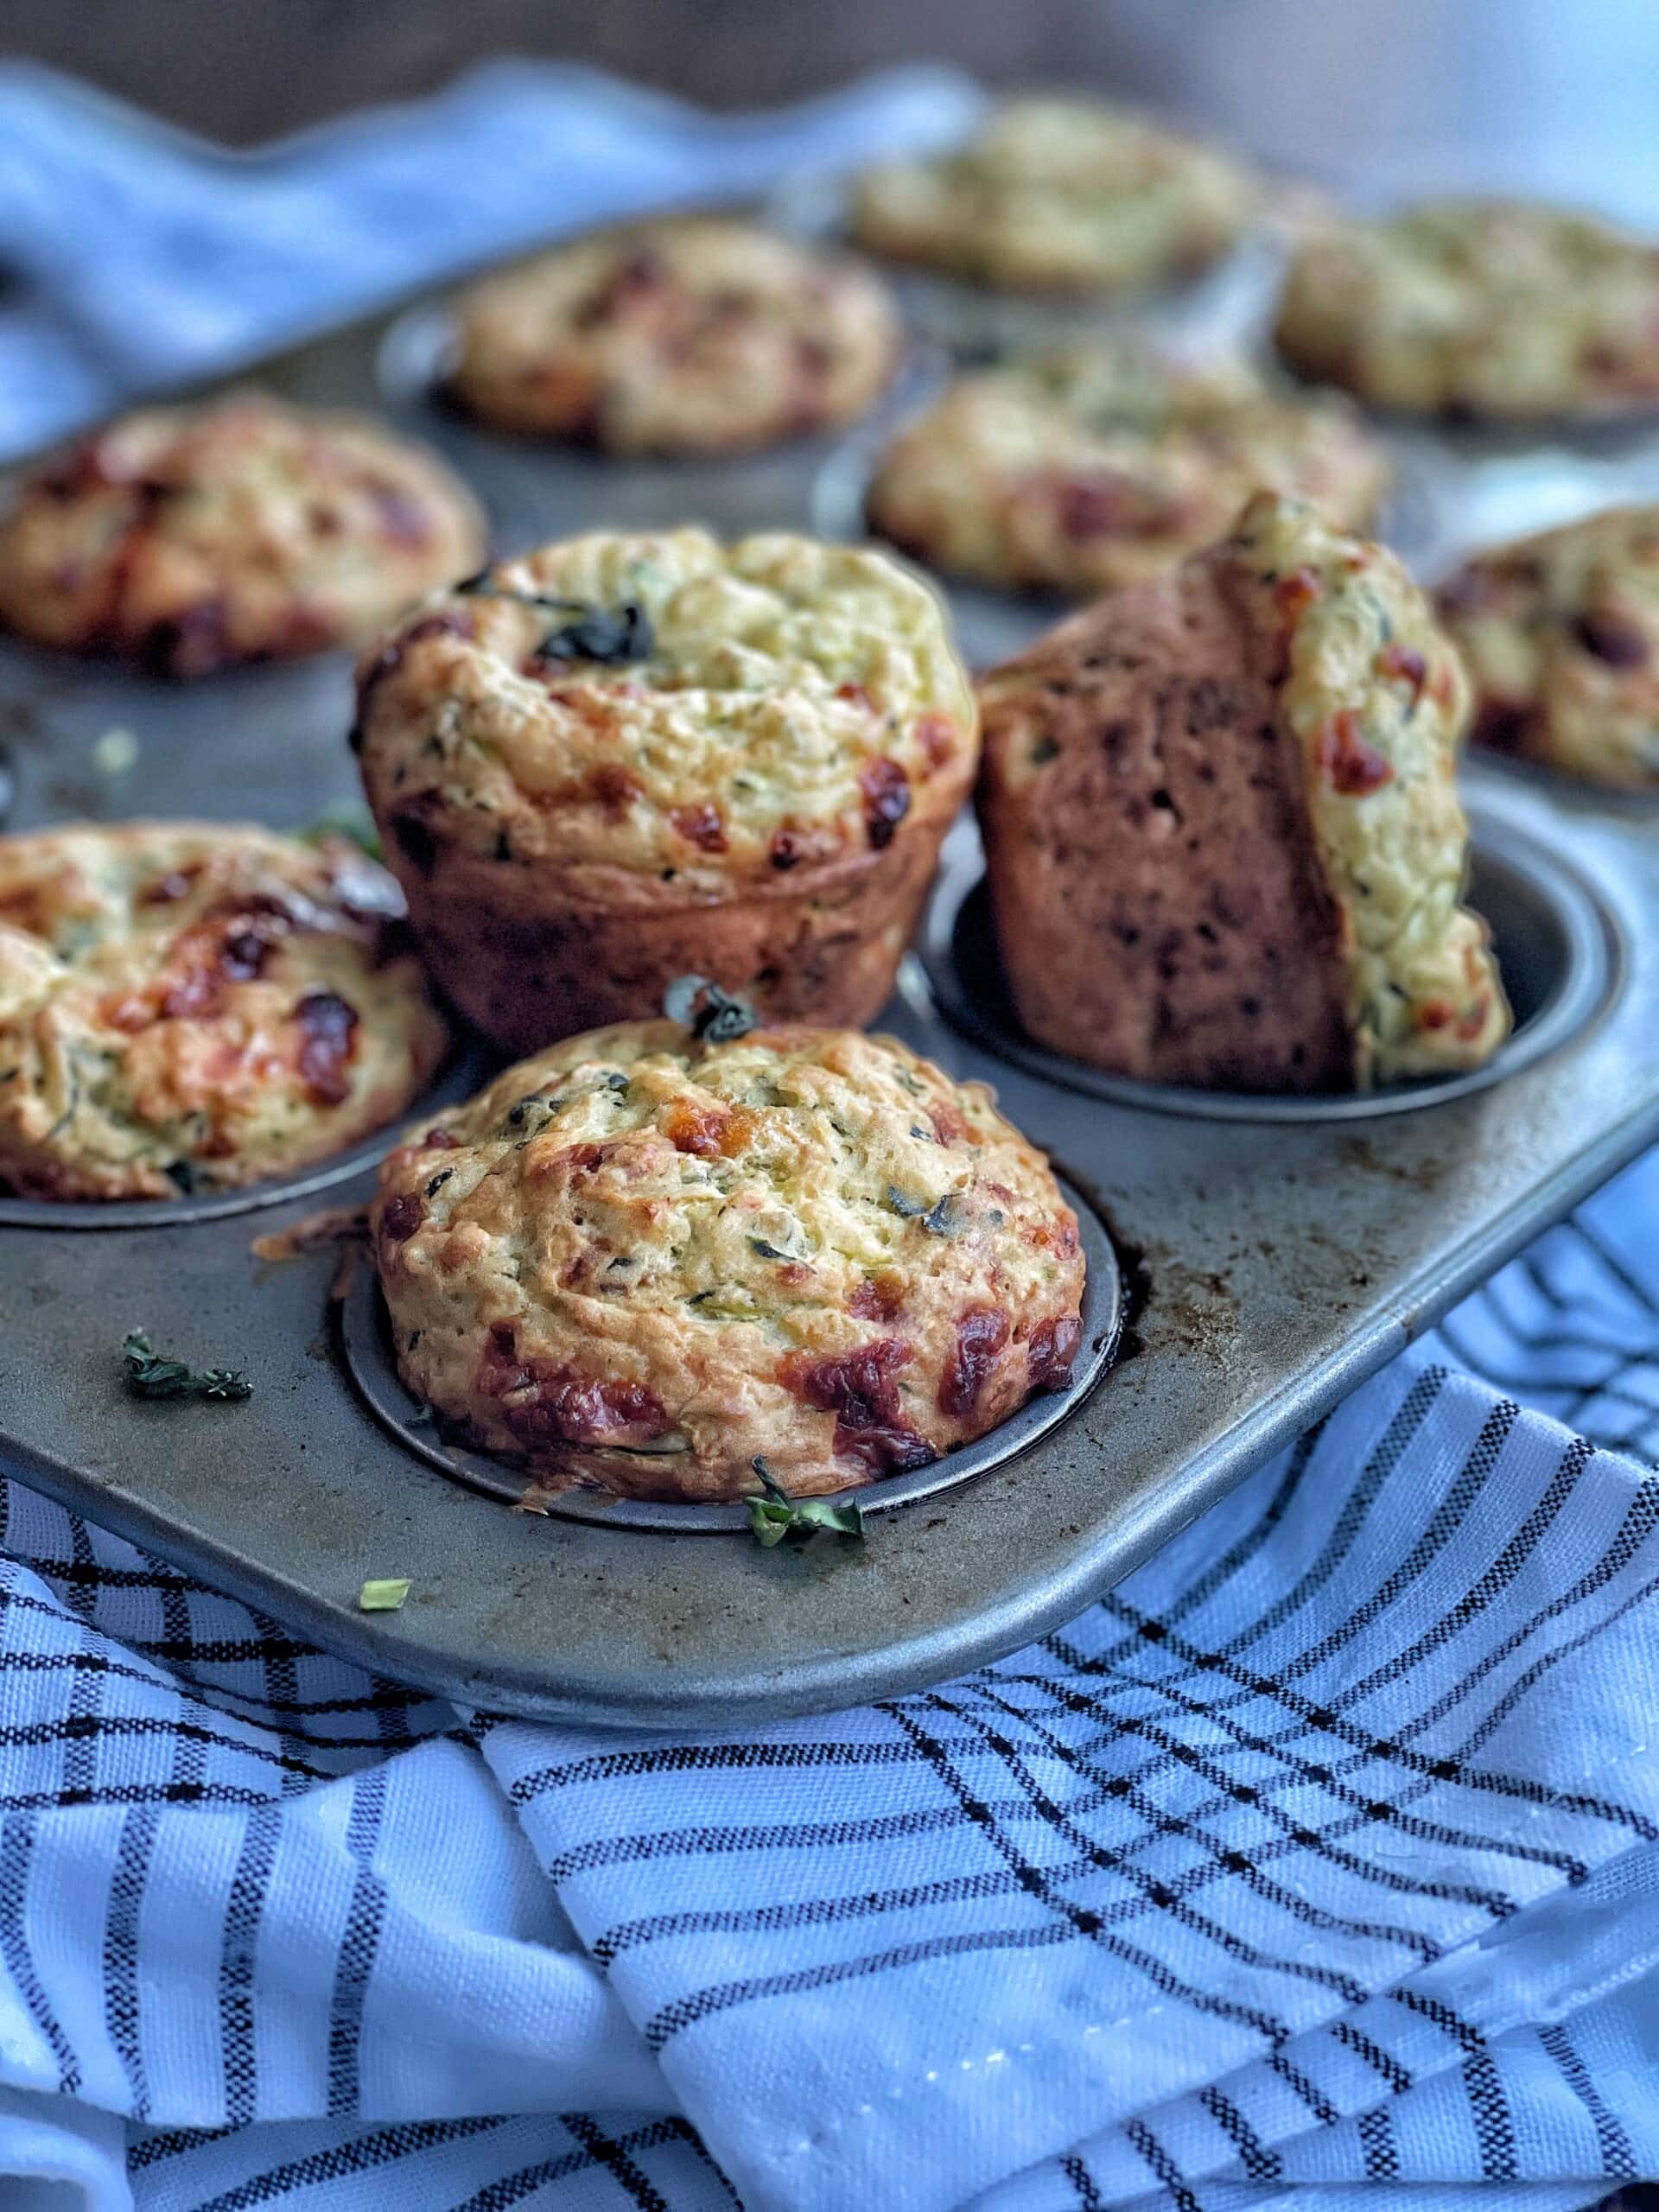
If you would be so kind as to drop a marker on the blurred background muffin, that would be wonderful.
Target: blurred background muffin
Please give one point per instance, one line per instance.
(1222, 837)
(1560, 633)
(1058, 195)
(190, 539)
(186, 1006)
(696, 336)
(672, 1265)
(621, 758)
(1506, 309)
(1087, 467)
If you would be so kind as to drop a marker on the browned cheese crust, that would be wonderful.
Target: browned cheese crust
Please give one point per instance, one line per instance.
(667, 1265)
(185, 1006)
(621, 758)
(191, 539)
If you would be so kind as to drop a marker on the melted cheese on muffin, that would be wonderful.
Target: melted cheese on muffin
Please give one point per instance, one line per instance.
(1560, 633)
(184, 1005)
(758, 706)
(1087, 467)
(1483, 308)
(676, 337)
(666, 1262)
(1055, 194)
(191, 539)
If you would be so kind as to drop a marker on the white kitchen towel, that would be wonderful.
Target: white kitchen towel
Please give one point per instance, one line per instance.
(1317, 1866)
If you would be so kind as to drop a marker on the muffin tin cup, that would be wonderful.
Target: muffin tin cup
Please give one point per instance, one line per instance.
(365, 1339)
(1559, 951)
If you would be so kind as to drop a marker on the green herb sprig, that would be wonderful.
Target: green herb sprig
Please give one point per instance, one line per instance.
(713, 1016)
(151, 1374)
(777, 1517)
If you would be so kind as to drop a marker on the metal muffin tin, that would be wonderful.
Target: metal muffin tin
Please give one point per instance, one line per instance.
(1269, 1264)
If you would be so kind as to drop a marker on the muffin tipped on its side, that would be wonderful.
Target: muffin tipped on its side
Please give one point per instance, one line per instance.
(624, 757)
(192, 539)
(1560, 634)
(185, 1006)
(696, 336)
(1224, 843)
(670, 1266)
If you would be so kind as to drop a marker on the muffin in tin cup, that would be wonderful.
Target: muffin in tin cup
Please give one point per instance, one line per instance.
(681, 1266)
(195, 538)
(622, 757)
(1223, 843)
(1080, 469)
(1560, 633)
(689, 336)
(1496, 311)
(187, 1006)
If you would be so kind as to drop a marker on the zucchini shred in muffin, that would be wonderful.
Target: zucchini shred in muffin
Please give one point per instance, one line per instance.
(191, 539)
(1224, 843)
(689, 336)
(1503, 311)
(1560, 633)
(666, 1265)
(621, 758)
(186, 1006)
(1086, 467)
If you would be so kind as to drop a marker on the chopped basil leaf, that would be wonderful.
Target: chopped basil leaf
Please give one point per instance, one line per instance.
(902, 1203)
(719, 1020)
(383, 1597)
(776, 1516)
(608, 635)
(942, 1220)
(182, 1173)
(767, 1251)
(150, 1374)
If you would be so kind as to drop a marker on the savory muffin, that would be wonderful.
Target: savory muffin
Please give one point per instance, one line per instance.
(188, 1004)
(1087, 467)
(1494, 309)
(1560, 634)
(687, 337)
(668, 1265)
(1223, 839)
(620, 757)
(190, 539)
(1055, 195)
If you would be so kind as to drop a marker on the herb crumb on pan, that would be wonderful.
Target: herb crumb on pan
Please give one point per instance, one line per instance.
(670, 1264)
(150, 1374)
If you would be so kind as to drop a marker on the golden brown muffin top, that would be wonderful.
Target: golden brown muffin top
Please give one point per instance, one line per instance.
(810, 1245)
(661, 702)
(187, 1005)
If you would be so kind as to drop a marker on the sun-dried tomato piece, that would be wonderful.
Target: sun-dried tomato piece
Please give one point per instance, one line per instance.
(859, 1389)
(327, 1039)
(982, 1336)
(401, 1215)
(700, 825)
(1050, 1349)
(1353, 766)
(887, 799)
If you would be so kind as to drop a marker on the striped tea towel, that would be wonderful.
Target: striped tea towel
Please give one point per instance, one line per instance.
(1317, 1866)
